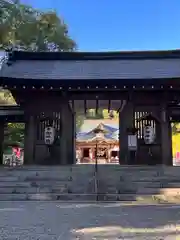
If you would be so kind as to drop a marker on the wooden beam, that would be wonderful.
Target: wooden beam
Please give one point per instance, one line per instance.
(109, 106)
(114, 95)
(85, 107)
(97, 106)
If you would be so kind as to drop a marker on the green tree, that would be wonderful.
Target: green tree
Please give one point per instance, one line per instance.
(79, 121)
(175, 128)
(14, 135)
(27, 28)
(6, 98)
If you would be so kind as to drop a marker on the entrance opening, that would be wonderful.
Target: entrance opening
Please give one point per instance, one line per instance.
(114, 154)
(115, 157)
(85, 155)
(86, 152)
(97, 131)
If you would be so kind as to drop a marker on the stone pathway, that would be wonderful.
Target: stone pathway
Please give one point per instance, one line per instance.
(60, 221)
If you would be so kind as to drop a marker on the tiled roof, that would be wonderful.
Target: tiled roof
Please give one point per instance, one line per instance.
(81, 66)
(89, 124)
(93, 69)
(79, 55)
(91, 136)
(111, 132)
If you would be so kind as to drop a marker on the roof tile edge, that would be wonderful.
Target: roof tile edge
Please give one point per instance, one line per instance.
(75, 56)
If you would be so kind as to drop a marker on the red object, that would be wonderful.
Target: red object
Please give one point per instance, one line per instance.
(17, 152)
(177, 155)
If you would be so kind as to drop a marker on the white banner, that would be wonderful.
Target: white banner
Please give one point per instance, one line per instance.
(49, 134)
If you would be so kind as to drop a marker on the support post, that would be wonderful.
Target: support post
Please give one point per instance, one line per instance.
(29, 140)
(1, 142)
(126, 120)
(67, 138)
(166, 140)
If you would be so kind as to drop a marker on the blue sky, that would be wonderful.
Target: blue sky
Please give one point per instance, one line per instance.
(98, 25)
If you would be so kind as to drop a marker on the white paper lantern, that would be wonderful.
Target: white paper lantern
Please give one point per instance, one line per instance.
(49, 134)
(149, 135)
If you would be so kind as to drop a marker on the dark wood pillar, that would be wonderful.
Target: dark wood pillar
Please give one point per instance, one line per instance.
(71, 138)
(67, 137)
(126, 120)
(29, 140)
(1, 141)
(166, 140)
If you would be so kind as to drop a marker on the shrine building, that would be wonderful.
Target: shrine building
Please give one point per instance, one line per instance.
(103, 145)
(51, 87)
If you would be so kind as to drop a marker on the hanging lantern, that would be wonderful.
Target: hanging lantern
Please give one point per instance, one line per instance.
(111, 114)
(49, 135)
(149, 135)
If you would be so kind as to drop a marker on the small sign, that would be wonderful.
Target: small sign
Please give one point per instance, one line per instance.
(132, 142)
(49, 134)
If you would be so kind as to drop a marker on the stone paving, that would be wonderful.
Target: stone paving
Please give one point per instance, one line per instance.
(63, 221)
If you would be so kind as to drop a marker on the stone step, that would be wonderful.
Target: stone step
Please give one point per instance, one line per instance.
(134, 189)
(146, 198)
(50, 183)
(13, 197)
(139, 180)
(45, 179)
(131, 170)
(81, 190)
(47, 197)
(85, 178)
(148, 184)
(164, 191)
(63, 197)
(36, 168)
(15, 184)
(129, 184)
(9, 179)
(112, 175)
(78, 183)
(82, 181)
(91, 167)
(147, 191)
(172, 184)
(37, 173)
(42, 175)
(83, 169)
(58, 189)
(20, 190)
(35, 184)
(67, 197)
(115, 190)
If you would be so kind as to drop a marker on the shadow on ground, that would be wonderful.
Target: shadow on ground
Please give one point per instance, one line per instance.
(53, 220)
(113, 221)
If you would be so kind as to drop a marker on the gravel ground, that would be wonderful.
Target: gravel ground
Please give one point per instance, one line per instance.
(63, 221)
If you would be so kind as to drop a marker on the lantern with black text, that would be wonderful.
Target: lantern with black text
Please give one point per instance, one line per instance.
(149, 134)
(49, 135)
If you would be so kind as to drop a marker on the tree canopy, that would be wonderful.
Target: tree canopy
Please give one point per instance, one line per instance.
(27, 28)
(23, 27)
(6, 98)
